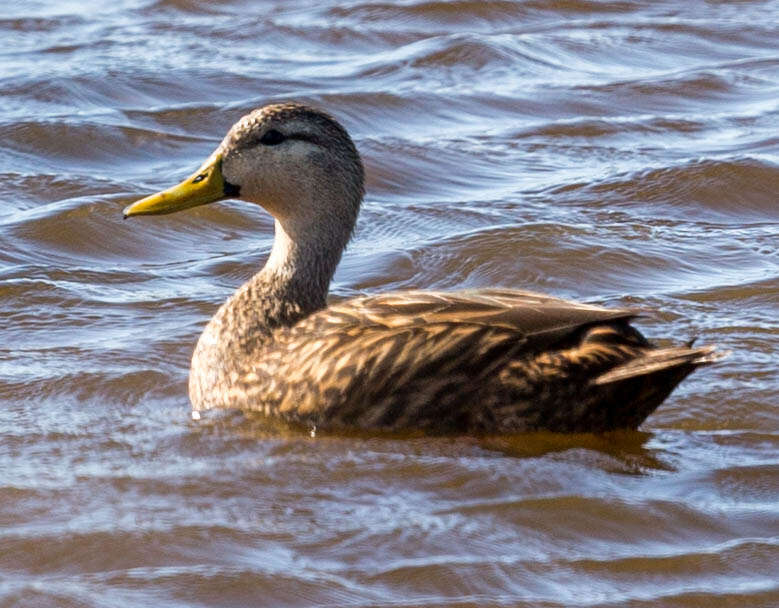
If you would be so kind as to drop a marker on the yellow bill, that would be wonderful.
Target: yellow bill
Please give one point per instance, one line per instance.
(206, 185)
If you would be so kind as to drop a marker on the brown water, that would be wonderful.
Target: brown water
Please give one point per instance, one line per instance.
(624, 153)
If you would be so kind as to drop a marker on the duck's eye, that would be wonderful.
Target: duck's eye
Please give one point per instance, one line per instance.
(272, 138)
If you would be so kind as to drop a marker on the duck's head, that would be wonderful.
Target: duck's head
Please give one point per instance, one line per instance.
(297, 162)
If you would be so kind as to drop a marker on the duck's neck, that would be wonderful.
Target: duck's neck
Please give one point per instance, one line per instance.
(292, 285)
(298, 272)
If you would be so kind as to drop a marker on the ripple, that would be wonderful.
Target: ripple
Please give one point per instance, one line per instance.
(725, 187)
(614, 152)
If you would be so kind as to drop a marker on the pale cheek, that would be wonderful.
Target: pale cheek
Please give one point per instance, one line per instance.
(283, 186)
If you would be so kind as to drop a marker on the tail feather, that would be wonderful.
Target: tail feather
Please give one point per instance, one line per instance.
(661, 359)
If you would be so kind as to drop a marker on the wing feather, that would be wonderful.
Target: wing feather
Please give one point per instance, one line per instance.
(541, 319)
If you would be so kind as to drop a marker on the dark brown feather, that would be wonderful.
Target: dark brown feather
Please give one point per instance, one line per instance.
(476, 361)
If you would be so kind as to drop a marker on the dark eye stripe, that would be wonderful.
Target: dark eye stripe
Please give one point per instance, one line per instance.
(272, 137)
(312, 139)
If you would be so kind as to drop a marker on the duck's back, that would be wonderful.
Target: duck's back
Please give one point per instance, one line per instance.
(478, 361)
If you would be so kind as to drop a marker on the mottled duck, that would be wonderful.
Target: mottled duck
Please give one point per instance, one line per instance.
(475, 361)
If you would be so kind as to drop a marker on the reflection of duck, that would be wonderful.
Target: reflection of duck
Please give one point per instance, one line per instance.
(490, 360)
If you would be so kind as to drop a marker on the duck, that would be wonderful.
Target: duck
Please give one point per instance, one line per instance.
(476, 361)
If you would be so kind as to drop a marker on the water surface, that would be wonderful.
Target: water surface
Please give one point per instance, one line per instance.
(623, 153)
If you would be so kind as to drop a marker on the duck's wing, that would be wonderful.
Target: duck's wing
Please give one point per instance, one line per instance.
(540, 320)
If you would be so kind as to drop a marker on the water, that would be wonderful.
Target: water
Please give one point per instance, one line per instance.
(623, 153)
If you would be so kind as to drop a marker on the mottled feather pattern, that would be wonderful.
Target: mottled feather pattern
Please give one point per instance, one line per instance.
(441, 362)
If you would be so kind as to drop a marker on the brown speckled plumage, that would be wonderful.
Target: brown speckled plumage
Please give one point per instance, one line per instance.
(491, 360)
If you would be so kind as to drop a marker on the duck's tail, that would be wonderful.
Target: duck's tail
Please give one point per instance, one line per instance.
(646, 381)
(662, 360)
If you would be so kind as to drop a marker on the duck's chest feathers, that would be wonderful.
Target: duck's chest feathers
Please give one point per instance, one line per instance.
(236, 336)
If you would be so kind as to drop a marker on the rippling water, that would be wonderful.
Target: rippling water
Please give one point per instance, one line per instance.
(624, 153)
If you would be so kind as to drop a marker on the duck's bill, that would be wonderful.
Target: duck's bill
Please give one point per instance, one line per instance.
(206, 185)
